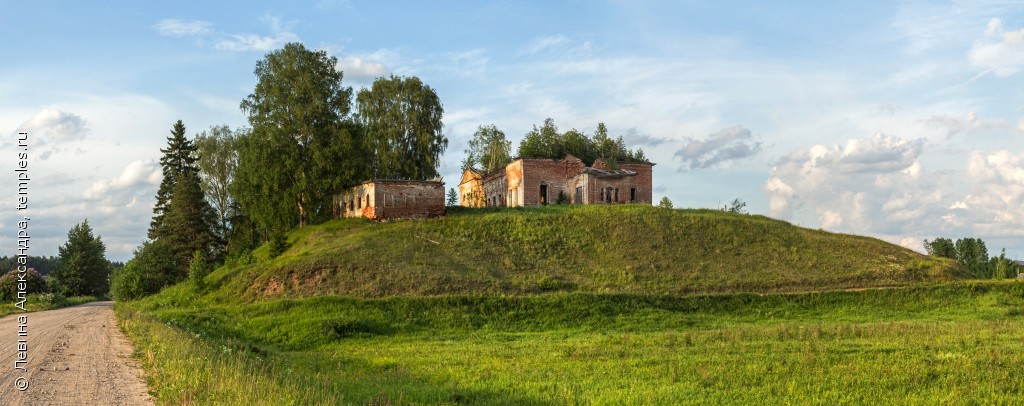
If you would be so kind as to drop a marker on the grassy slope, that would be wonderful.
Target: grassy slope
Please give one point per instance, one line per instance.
(446, 312)
(598, 249)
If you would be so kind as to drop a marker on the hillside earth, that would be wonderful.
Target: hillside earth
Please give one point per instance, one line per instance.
(635, 249)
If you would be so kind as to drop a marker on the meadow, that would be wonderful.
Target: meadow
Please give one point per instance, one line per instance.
(955, 343)
(581, 305)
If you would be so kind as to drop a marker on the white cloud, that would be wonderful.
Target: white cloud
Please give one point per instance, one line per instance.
(878, 186)
(869, 185)
(361, 69)
(236, 42)
(58, 126)
(729, 144)
(1001, 52)
(141, 172)
(996, 198)
(253, 42)
(179, 28)
(545, 43)
(966, 124)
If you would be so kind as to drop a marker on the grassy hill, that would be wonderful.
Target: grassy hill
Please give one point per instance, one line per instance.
(592, 249)
(448, 311)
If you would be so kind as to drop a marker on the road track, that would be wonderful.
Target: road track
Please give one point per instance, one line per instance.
(76, 356)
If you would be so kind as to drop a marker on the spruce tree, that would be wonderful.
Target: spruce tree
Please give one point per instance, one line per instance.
(84, 270)
(188, 221)
(179, 157)
(182, 217)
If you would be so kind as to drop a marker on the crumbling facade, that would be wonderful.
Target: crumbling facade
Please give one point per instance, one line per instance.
(389, 199)
(535, 181)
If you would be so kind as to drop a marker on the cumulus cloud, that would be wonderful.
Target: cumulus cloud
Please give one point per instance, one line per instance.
(1001, 52)
(729, 144)
(996, 199)
(966, 124)
(137, 173)
(179, 28)
(632, 137)
(58, 126)
(361, 69)
(866, 185)
(892, 195)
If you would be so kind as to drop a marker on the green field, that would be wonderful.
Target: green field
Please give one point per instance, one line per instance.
(958, 343)
(548, 311)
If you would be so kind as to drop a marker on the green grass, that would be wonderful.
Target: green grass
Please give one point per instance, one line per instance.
(581, 305)
(954, 343)
(39, 302)
(635, 249)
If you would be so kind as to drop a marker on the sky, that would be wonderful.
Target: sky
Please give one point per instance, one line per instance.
(898, 120)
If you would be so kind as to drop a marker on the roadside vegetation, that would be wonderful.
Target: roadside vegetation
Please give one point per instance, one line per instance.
(46, 301)
(79, 275)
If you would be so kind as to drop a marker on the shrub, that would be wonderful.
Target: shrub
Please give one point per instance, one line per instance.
(562, 198)
(198, 269)
(34, 283)
(128, 283)
(241, 258)
(278, 245)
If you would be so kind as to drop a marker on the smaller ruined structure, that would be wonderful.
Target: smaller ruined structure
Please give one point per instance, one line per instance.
(382, 199)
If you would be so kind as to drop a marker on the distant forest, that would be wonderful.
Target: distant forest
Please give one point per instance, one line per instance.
(43, 265)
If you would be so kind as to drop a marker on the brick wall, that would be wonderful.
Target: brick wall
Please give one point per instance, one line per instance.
(408, 199)
(553, 175)
(643, 181)
(495, 189)
(386, 199)
(525, 179)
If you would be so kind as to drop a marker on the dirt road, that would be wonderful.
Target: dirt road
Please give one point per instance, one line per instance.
(76, 356)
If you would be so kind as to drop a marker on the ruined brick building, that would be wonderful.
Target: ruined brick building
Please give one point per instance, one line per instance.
(533, 181)
(388, 199)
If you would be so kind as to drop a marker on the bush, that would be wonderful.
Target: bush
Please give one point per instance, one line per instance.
(34, 283)
(198, 269)
(128, 283)
(244, 257)
(562, 198)
(278, 245)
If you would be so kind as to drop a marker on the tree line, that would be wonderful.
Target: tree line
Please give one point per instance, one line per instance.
(226, 191)
(489, 150)
(973, 255)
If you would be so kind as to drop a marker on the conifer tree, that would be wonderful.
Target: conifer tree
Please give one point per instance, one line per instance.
(182, 216)
(180, 156)
(84, 270)
(188, 222)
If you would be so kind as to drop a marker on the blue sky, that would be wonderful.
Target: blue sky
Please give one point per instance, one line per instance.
(899, 120)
